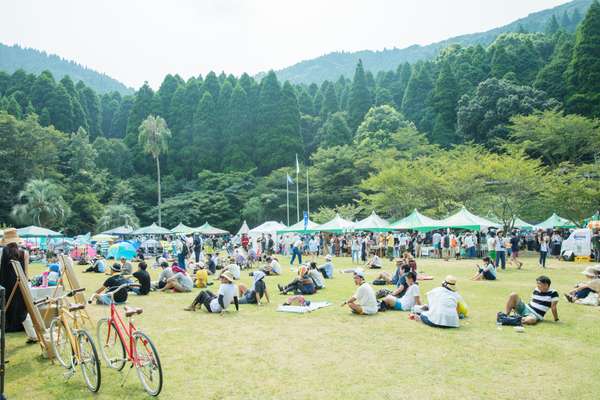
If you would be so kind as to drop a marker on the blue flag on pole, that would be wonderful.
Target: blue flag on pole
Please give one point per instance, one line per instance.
(289, 178)
(305, 220)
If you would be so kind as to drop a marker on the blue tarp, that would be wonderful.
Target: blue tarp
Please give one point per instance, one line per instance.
(122, 249)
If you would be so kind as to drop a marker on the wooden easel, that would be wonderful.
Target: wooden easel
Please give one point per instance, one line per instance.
(69, 277)
(34, 313)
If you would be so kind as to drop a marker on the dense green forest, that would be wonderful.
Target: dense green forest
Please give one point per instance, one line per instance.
(13, 58)
(331, 66)
(506, 129)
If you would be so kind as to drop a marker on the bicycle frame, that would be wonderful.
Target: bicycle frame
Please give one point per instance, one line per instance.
(65, 317)
(116, 322)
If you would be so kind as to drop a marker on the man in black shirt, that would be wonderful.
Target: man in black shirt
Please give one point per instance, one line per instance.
(143, 278)
(103, 295)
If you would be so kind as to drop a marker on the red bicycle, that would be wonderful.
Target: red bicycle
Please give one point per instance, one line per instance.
(120, 342)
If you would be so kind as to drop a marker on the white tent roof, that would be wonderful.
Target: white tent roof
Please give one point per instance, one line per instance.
(299, 227)
(464, 219)
(267, 227)
(337, 224)
(244, 229)
(372, 223)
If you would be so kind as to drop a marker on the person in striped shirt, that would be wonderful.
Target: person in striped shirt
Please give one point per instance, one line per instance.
(543, 298)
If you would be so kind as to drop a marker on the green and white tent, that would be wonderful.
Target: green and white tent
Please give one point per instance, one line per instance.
(373, 223)
(311, 227)
(464, 219)
(336, 225)
(208, 229)
(119, 231)
(555, 221)
(415, 222)
(183, 229)
(151, 230)
(33, 231)
(245, 229)
(520, 224)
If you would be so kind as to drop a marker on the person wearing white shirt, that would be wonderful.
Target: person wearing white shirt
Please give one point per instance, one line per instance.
(233, 268)
(297, 250)
(443, 304)
(273, 267)
(375, 262)
(411, 297)
(363, 302)
(228, 293)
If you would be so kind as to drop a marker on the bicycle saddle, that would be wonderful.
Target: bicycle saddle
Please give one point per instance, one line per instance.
(129, 311)
(75, 307)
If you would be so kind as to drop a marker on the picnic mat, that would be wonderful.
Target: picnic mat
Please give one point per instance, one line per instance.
(315, 305)
(424, 277)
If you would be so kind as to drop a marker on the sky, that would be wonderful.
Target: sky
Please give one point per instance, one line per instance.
(143, 40)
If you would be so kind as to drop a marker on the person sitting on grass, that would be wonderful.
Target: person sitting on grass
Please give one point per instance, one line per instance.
(409, 299)
(375, 262)
(582, 290)
(201, 276)
(302, 284)
(327, 268)
(543, 298)
(227, 294)
(180, 281)
(487, 273)
(97, 265)
(233, 268)
(126, 267)
(111, 284)
(256, 291)
(272, 267)
(316, 276)
(442, 310)
(143, 278)
(385, 278)
(165, 274)
(363, 302)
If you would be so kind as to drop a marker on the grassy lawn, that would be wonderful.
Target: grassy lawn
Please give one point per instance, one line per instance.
(259, 353)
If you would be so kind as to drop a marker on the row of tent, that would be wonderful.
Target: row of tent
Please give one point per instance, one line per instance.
(416, 221)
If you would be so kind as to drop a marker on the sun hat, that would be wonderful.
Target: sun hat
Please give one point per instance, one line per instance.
(11, 236)
(116, 267)
(450, 282)
(359, 272)
(227, 275)
(591, 272)
(328, 257)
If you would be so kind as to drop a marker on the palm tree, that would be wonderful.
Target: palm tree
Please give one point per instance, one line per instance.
(116, 215)
(153, 135)
(43, 204)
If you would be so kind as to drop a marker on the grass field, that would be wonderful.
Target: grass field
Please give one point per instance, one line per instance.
(331, 354)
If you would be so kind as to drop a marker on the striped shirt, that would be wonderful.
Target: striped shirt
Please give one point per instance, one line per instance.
(541, 301)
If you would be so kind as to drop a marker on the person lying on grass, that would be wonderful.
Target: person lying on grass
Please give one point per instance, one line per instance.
(363, 302)
(487, 273)
(375, 262)
(302, 284)
(180, 282)
(443, 308)
(228, 293)
(543, 298)
(582, 290)
(327, 268)
(256, 291)
(115, 280)
(408, 300)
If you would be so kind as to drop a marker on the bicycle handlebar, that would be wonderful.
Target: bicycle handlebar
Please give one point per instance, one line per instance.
(49, 299)
(114, 289)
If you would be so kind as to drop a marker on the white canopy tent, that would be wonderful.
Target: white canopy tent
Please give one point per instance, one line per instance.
(266, 228)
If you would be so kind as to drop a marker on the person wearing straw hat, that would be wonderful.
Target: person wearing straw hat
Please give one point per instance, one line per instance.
(228, 293)
(582, 290)
(16, 315)
(302, 284)
(443, 305)
(363, 302)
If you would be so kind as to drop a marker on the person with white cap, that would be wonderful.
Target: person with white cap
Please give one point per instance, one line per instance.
(327, 268)
(256, 291)
(16, 315)
(228, 293)
(363, 302)
(443, 304)
(582, 290)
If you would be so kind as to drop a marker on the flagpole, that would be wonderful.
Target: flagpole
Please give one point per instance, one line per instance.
(287, 197)
(297, 190)
(307, 195)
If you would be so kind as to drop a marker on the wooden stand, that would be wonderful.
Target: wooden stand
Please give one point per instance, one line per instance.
(34, 313)
(69, 277)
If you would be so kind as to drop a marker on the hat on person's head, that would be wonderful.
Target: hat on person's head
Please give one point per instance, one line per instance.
(116, 267)
(450, 282)
(11, 236)
(328, 257)
(590, 272)
(359, 272)
(227, 275)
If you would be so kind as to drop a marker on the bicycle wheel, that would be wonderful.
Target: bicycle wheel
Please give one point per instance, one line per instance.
(61, 344)
(110, 344)
(148, 364)
(90, 364)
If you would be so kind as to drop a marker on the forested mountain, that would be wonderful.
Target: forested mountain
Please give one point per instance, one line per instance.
(509, 128)
(332, 65)
(34, 61)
